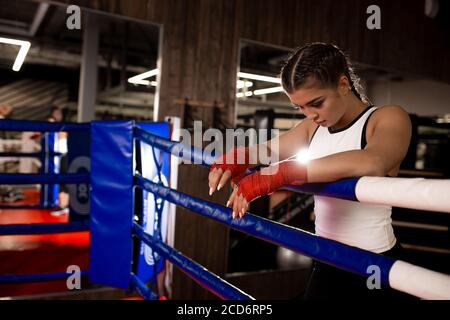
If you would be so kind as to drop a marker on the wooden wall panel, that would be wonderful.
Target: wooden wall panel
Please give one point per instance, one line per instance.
(272, 284)
(408, 41)
(201, 39)
(195, 36)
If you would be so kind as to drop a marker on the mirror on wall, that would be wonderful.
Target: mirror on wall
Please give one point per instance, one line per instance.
(258, 90)
(127, 74)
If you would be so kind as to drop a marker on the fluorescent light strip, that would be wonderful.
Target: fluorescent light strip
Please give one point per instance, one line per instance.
(258, 77)
(146, 83)
(24, 47)
(241, 84)
(267, 91)
(21, 56)
(142, 82)
(241, 94)
(139, 79)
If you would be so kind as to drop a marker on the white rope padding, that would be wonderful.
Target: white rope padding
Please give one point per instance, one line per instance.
(416, 193)
(419, 281)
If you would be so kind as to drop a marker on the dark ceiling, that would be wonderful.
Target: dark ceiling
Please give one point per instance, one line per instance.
(131, 42)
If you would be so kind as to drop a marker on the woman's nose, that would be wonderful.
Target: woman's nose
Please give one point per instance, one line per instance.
(311, 116)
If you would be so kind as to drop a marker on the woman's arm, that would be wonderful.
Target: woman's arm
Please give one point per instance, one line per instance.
(289, 143)
(385, 150)
(389, 135)
(275, 150)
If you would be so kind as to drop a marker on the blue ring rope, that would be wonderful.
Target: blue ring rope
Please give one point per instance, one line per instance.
(21, 278)
(33, 178)
(42, 126)
(207, 279)
(342, 256)
(343, 189)
(141, 288)
(43, 228)
(189, 153)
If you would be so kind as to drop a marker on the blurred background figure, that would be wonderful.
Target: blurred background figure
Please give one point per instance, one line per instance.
(5, 111)
(61, 162)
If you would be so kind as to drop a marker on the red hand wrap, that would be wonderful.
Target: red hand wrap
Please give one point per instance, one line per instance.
(272, 178)
(237, 160)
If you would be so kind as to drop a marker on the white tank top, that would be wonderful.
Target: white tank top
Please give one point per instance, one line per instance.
(366, 226)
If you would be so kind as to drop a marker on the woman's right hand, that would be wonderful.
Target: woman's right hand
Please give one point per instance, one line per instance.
(217, 179)
(232, 164)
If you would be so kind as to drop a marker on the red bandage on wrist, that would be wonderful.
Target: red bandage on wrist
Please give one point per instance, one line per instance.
(237, 160)
(272, 178)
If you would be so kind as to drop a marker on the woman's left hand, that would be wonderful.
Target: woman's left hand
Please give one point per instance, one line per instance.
(265, 182)
(237, 203)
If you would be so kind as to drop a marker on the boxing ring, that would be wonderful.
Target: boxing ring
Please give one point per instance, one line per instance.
(119, 233)
(49, 178)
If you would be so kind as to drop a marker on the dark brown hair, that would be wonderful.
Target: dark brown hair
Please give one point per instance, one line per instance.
(322, 62)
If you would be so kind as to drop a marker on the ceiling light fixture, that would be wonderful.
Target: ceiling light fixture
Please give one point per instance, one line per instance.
(242, 94)
(258, 77)
(139, 79)
(241, 84)
(267, 91)
(24, 47)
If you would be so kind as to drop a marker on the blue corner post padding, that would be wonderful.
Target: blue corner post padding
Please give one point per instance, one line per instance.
(111, 202)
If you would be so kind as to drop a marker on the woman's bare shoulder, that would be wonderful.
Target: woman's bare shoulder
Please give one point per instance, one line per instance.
(392, 109)
(391, 113)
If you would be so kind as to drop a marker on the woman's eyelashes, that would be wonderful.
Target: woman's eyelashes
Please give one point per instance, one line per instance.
(317, 104)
